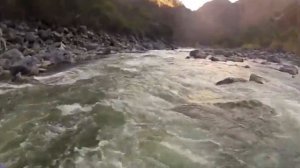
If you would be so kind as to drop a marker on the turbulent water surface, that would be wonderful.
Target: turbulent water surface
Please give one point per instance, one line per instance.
(152, 110)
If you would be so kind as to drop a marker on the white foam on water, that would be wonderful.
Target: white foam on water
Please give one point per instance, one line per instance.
(73, 109)
(71, 76)
(186, 153)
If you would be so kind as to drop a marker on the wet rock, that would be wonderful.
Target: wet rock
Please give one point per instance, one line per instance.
(30, 37)
(4, 63)
(293, 70)
(219, 58)
(11, 36)
(257, 79)
(246, 66)
(13, 55)
(214, 59)
(231, 80)
(45, 34)
(197, 54)
(188, 57)
(59, 57)
(91, 46)
(235, 59)
(274, 59)
(27, 66)
(57, 37)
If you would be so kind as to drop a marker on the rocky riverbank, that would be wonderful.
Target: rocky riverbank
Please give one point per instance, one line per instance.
(29, 49)
(284, 62)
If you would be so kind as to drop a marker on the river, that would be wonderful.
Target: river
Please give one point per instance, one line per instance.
(152, 110)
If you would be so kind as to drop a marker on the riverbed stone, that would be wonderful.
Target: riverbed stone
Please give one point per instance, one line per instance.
(293, 70)
(257, 79)
(231, 80)
(197, 54)
(235, 59)
(274, 59)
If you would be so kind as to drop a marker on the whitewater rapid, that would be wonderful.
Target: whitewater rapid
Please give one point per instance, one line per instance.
(152, 110)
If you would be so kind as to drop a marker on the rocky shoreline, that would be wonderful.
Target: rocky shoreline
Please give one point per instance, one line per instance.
(33, 48)
(285, 62)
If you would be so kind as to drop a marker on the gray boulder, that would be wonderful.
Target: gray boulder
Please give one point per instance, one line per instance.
(274, 59)
(91, 46)
(235, 59)
(218, 58)
(30, 37)
(13, 55)
(293, 70)
(57, 37)
(59, 57)
(231, 80)
(257, 79)
(27, 66)
(45, 34)
(197, 54)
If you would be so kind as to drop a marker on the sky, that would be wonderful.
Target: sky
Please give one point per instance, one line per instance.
(196, 4)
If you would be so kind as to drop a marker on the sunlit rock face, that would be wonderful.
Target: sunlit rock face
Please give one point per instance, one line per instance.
(170, 3)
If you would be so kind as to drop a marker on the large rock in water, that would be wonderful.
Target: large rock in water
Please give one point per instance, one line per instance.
(274, 59)
(231, 80)
(257, 79)
(59, 57)
(289, 69)
(197, 54)
(27, 66)
(235, 59)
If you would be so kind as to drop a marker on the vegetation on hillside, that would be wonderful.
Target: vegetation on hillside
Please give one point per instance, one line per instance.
(134, 16)
(279, 33)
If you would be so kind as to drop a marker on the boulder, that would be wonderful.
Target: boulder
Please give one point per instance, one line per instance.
(231, 80)
(13, 55)
(215, 59)
(30, 37)
(293, 70)
(197, 54)
(27, 66)
(57, 37)
(45, 34)
(274, 59)
(218, 58)
(91, 46)
(59, 57)
(257, 79)
(11, 36)
(235, 59)
(1, 32)
(4, 63)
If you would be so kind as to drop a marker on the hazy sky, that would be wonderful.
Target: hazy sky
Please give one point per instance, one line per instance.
(195, 4)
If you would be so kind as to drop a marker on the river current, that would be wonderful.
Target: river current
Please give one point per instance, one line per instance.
(152, 110)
